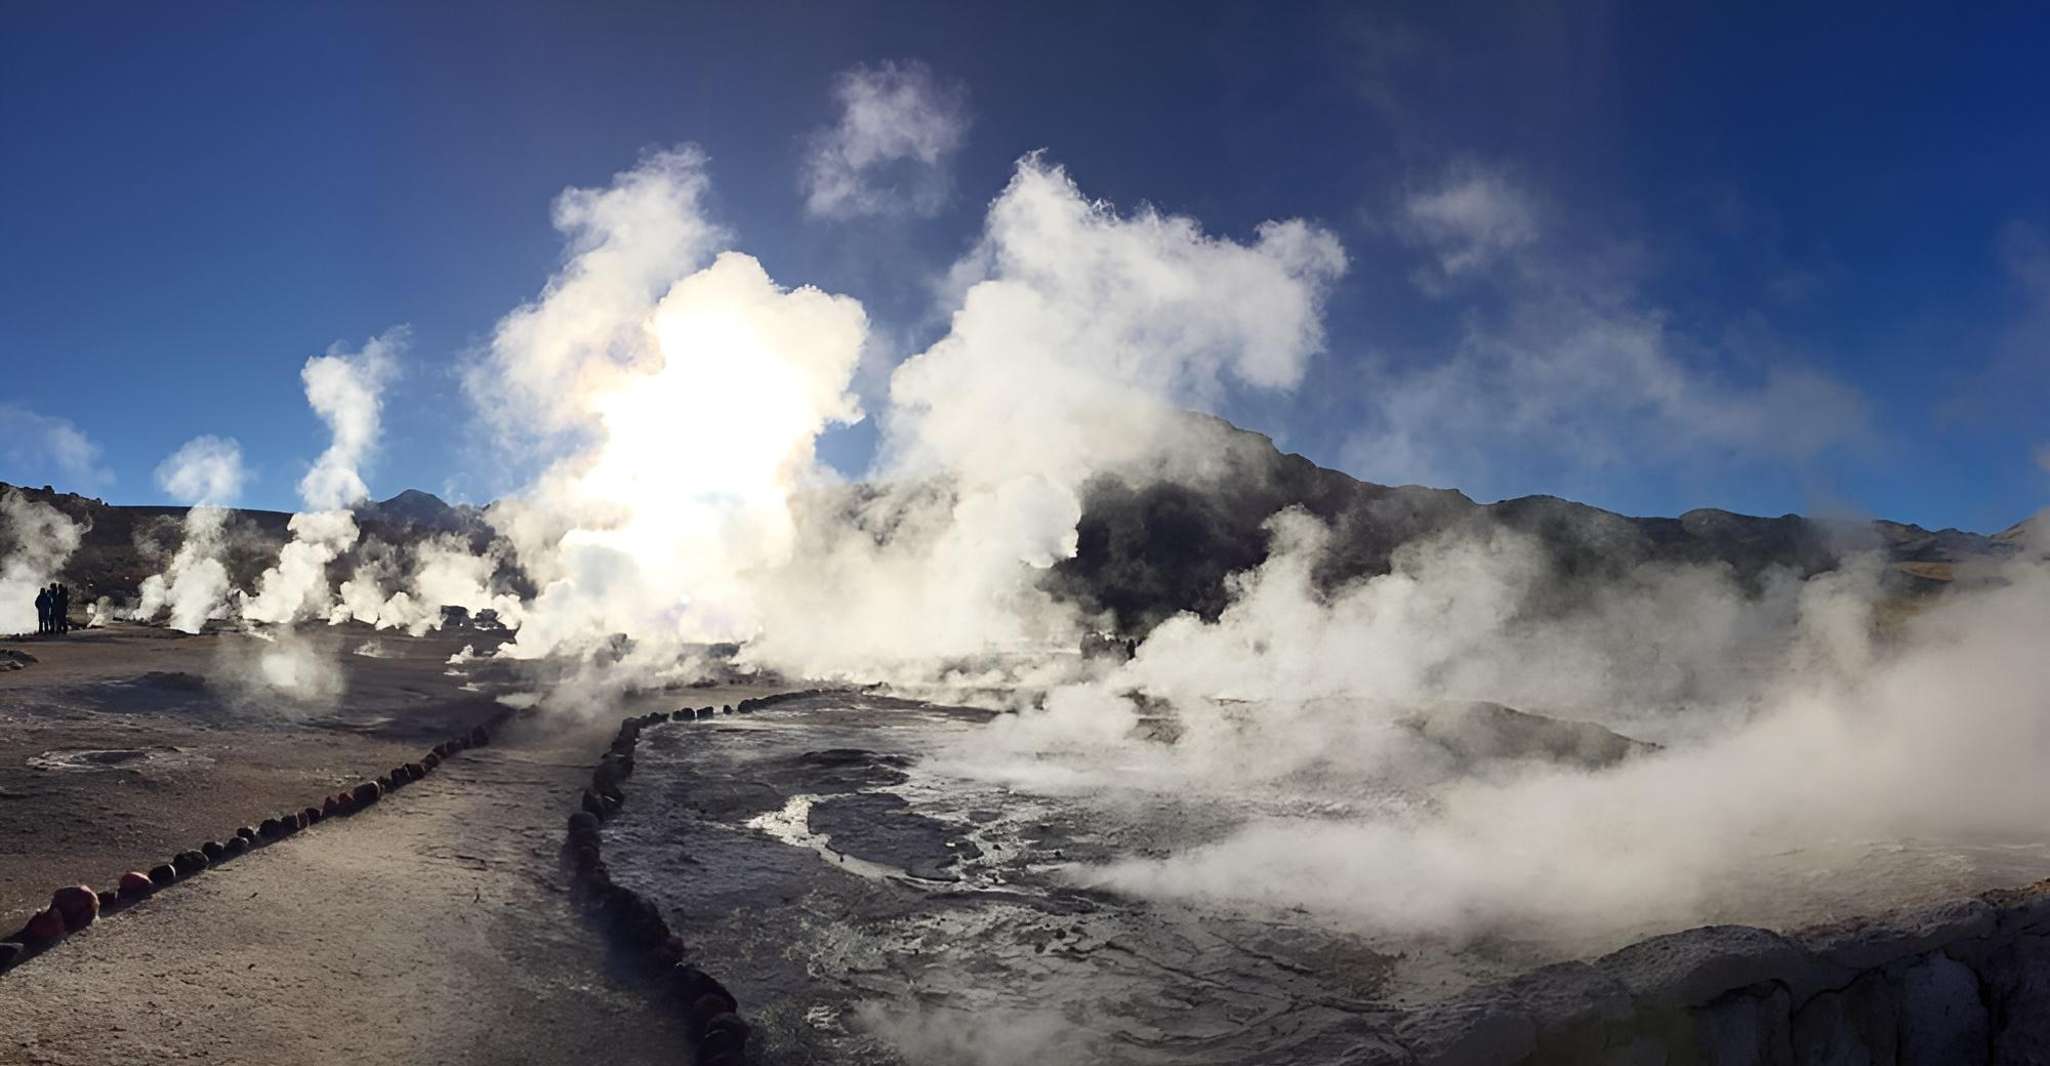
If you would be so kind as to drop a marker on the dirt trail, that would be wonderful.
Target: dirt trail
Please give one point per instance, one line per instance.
(434, 927)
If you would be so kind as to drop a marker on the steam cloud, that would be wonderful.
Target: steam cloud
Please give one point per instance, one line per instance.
(38, 539)
(344, 389)
(1803, 742)
(701, 386)
(206, 474)
(696, 510)
(1078, 332)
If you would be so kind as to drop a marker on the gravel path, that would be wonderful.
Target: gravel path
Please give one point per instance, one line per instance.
(434, 927)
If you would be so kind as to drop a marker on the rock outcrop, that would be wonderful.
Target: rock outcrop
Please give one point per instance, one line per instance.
(1961, 983)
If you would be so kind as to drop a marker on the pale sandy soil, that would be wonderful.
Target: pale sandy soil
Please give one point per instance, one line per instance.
(217, 755)
(433, 928)
(436, 927)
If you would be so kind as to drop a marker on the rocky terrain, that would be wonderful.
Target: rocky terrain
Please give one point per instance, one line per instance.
(868, 904)
(1161, 538)
(124, 544)
(1156, 541)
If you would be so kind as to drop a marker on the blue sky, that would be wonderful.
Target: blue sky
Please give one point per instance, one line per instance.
(1652, 256)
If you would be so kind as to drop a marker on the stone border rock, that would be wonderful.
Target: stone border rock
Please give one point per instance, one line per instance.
(633, 922)
(74, 907)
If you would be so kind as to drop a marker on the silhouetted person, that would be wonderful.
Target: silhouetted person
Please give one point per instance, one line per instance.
(63, 609)
(42, 611)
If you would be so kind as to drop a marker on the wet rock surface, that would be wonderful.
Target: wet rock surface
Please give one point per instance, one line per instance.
(867, 908)
(1480, 732)
(855, 904)
(879, 827)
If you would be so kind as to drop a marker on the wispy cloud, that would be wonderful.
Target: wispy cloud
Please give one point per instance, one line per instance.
(2005, 388)
(889, 153)
(2027, 256)
(44, 447)
(205, 470)
(1471, 220)
(1563, 359)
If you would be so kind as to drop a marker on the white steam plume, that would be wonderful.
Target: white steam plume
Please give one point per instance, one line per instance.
(700, 385)
(345, 389)
(1079, 332)
(445, 572)
(279, 671)
(206, 474)
(38, 539)
(691, 389)
(1803, 748)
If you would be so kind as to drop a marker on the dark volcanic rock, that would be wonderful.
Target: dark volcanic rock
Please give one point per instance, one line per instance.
(1874, 942)
(79, 905)
(879, 827)
(1857, 1024)
(701, 993)
(724, 1042)
(844, 769)
(1483, 732)
(2017, 984)
(163, 874)
(46, 926)
(1161, 540)
(1692, 967)
(135, 884)
(1943, 1016)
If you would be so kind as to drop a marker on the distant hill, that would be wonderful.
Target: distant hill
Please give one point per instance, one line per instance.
(1157, 541)
(1150, 546)
(413, 509)
(125, 544)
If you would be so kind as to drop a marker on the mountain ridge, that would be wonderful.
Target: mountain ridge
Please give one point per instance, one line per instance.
(1160, 538)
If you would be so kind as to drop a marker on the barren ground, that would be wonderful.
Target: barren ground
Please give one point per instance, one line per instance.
(434, 927)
